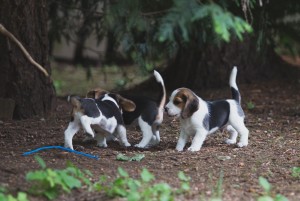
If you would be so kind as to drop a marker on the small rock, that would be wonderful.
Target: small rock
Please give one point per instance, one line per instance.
(223, 158)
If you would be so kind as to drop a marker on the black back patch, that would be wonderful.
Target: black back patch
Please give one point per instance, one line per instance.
(218, 113)
(109, 109)
(89, 107)
(145, 107)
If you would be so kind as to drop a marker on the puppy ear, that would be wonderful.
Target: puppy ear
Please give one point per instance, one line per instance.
(91, 94)
(96, 93)
(191, 106)
(126, 104)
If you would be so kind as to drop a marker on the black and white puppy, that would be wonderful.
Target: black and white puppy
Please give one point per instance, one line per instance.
(148, 112)
(198, 118)
(103, 113)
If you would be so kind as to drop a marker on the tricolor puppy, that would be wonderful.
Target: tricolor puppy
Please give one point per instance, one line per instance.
(103, 113)
(149, 113)
(198, 118)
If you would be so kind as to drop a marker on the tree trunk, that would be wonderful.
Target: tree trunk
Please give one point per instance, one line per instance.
(210, 66)
(32, 92)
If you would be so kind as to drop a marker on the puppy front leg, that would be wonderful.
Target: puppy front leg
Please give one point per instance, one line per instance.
(198, 140)
(71, 130)
(181, 141)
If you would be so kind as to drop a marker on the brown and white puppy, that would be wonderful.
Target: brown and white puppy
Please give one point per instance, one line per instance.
(198, 118)
(104, 113)
(149, 113)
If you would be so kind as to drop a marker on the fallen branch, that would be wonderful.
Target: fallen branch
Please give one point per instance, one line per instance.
(5, 32)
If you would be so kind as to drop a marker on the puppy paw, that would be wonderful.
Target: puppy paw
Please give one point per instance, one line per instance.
(242, 144)
(102, 145)
(140, 146)
(193, 149)
(68, 146)
(229, 141)
(127, 144)
(179, 148)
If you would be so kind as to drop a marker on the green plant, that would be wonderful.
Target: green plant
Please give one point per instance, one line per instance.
(250, 105)
(58, 85)
(267, 195)
(50, 183)
(143, 188)
(296, 172)
(21, 196)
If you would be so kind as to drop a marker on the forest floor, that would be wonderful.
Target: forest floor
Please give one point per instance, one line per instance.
(272, 115)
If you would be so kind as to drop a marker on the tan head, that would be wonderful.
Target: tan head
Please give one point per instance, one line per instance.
(124, 103)
(96, 93)
(183, 102)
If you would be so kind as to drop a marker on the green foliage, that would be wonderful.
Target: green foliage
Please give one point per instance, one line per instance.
(250, 105)
(144, 28)
(267, 195)
(58, 85)
(50, 183)
(296, 172)
(21, 196)
(143, 188)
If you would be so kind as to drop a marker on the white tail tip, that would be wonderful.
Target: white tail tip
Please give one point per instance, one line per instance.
(232, 80)
(158, 77)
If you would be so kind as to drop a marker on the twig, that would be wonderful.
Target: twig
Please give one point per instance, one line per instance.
(5, 32)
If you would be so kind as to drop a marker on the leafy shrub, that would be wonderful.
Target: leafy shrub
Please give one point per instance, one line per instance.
(21, 196)
(50, 183)
(143, 188)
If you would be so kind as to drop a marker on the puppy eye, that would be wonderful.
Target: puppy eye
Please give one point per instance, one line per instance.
(176, 101)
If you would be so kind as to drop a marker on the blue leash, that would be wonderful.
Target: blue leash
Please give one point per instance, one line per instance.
(62, 148)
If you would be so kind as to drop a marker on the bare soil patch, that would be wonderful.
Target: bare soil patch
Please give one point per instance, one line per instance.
(274, 148)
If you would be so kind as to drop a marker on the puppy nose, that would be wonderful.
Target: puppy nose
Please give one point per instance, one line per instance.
(166, 109)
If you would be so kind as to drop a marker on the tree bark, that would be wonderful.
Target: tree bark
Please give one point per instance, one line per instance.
(32, 92)
(210, 66)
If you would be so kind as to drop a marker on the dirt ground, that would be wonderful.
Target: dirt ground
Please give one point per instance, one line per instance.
(274, 148)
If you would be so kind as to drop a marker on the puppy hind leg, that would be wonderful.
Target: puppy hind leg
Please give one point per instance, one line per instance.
(243, 132)
(155, 136)
(121, 135)
(71, 130)
(233, 135)
(86, 124)
(101, 140)
(147, 134)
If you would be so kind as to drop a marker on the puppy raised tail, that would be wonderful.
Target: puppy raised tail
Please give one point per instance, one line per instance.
(163, 95)
(75, 101)
(233, 86)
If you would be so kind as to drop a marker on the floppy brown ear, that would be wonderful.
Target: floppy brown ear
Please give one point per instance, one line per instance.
(96, 93)
(126, 104)
(191, 105)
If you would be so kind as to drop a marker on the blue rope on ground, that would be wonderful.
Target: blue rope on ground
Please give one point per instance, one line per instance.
(62, 148)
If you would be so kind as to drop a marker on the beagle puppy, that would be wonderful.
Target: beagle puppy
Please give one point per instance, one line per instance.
(148, 112)
(198, 118)
(103, 113)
